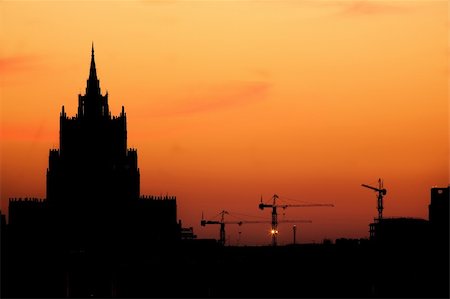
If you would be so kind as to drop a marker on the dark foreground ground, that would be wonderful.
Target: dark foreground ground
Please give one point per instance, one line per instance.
(204, 269)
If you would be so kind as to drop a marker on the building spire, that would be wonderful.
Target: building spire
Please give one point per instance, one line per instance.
(93, 71)
(93, 85)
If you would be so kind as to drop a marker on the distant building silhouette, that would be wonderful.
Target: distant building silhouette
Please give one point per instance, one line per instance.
(407, 230)
(439, 213)
(401, 230)
(93, 186)
(417, 249)
(187, 233)
(3, 248)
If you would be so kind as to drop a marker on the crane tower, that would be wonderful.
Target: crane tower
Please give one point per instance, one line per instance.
(222, 223)
(274, 206)
(381, 192)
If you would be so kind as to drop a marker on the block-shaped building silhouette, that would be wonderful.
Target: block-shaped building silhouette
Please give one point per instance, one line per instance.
(438, 213)
(93, 185)
(410, 231)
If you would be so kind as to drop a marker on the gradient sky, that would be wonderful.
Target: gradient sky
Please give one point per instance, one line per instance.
(228, 101)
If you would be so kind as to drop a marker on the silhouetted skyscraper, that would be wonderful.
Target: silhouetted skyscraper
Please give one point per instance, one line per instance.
(93, 161)
(93, 185)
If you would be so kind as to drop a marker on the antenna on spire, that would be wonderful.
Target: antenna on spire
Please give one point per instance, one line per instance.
(92, 48)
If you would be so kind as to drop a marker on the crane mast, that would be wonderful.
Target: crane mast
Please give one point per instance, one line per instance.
(274, 206)
(222, 223)
(381, 192)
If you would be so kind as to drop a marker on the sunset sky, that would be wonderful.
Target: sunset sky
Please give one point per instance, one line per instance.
(228, 101)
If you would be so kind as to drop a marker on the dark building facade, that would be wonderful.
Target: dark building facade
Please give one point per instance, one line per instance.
(93, 196)
(401, 230)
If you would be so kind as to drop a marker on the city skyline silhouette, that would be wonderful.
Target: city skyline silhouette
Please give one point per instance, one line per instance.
(88, 141)
(179, 148)
(96, 235)
(222, 116)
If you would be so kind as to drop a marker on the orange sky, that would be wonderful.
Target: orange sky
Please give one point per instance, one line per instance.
(230, 100)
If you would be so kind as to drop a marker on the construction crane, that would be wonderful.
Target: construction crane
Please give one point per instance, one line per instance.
(222, 223)
(381, 192)
(274, 206)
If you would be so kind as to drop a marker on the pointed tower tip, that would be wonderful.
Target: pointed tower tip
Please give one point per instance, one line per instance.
(92, 83)
(93, 71)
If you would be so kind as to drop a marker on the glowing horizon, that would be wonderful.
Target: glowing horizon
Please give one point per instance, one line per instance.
(230, 101)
